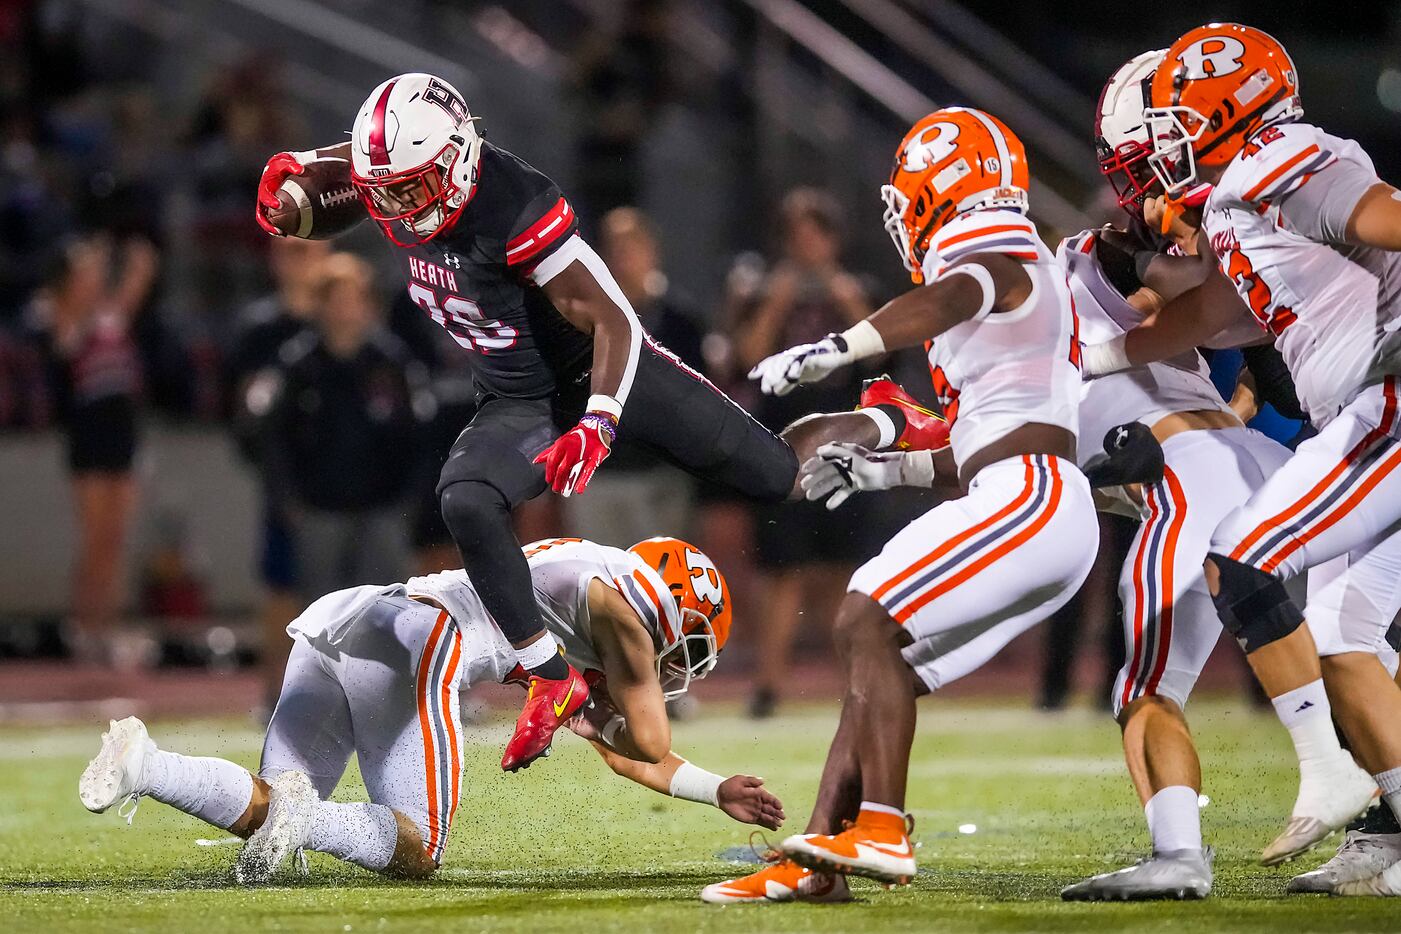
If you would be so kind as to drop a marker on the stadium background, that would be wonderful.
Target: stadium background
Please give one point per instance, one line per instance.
(150, 119)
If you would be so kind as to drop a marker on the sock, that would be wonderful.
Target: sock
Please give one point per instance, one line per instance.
(214, 790)
(542, 657)
(881, 814)
(1174, 820)
(1390, 784)
(360, 833)
(1306, 714)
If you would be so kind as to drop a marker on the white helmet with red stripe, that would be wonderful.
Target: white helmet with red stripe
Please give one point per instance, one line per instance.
(1121, 134)
(414, 156)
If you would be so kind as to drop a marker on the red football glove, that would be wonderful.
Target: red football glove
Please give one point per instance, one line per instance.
(571, 461)
(277, 170)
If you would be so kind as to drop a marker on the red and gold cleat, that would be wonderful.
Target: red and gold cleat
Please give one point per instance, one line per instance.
(784, 881)
(925, 430)
(877, 846)
(548, 704)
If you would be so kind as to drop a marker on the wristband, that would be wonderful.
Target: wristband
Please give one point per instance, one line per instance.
(862, 341)
(1112, 356)
(610, 730)
(884, 424)
(606, 405)
(696, 784)
(917, 469)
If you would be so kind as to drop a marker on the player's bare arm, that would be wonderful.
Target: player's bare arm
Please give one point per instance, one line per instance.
(1376, 220)
(616, 334)
(630, 664)
(986, 283)
(578, 293)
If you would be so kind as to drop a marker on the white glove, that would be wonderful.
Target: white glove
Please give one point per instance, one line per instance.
(781, 373)
(841, 469)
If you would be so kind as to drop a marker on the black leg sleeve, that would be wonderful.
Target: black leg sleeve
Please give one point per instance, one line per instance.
(487, 474)
(479, 518)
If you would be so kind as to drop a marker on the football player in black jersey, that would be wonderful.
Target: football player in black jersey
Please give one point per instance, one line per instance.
(490, 249)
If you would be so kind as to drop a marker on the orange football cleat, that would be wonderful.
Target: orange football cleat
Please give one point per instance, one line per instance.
(877, 846)
(548, 704)
(784, 881)
(924, 430)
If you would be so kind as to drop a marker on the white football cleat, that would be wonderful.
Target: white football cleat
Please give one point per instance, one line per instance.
(114, 774)
(1180, 875)
(1327, 801)
(286, 830)
(784, 881)
(1360, 858)
(1386, 883)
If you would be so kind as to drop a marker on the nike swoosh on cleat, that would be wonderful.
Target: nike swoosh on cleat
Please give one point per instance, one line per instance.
(889, 850)
(559, 708)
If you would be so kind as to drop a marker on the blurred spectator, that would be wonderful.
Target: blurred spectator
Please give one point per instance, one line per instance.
(262, 328)
(635, 496)
(342, 434)
(623, 78)
(243, 118)
(805, 558)
(88, 308)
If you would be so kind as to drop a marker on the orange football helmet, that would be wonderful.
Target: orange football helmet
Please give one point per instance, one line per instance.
(703, 597)
(951, 162)
(1219, 85)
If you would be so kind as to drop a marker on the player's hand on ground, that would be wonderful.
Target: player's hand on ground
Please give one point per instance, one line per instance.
(571, 461)
(276, 172)
(781, 373)
(841, 469)
(744, 798)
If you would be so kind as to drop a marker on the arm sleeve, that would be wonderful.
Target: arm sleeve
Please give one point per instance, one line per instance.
(1321, 203)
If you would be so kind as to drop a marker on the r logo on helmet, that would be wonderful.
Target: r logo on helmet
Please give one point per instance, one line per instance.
(923, 152)
(1211, 57)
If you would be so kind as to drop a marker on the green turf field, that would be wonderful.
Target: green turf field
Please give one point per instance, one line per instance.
(568, 847)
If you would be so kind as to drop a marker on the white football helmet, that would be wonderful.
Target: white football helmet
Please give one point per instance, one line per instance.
(1121, 135)
(414, 156)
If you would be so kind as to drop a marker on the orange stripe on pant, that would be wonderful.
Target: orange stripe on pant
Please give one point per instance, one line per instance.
(963, 536)
(1140, 597)
(1378, 474)
(997, 553)
(450, 727)
(430, 759)
(1319, 489)
(1169, 560)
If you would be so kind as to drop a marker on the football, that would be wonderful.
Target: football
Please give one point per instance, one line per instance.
(320, 203)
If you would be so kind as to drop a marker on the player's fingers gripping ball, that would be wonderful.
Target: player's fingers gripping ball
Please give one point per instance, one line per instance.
(571, 461)
(277, 170)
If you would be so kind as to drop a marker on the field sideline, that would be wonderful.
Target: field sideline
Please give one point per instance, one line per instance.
(566, 846)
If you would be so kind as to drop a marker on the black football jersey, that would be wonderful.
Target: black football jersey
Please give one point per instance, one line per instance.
(474, 280)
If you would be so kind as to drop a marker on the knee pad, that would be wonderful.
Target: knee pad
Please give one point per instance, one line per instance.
(1254, 606)
(472, 511)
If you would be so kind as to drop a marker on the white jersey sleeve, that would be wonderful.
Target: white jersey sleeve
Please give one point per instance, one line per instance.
(1275, 220)
(998, 372)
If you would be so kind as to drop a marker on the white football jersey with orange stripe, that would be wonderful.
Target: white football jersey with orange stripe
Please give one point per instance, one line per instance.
(1142, 394)
(562, 569)
(1002, 370)
(1274, 220)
